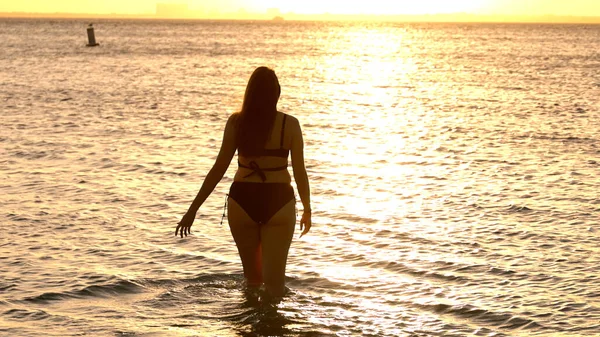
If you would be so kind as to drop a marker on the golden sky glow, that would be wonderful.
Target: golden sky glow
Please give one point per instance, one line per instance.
(375, 6)
(510, 7)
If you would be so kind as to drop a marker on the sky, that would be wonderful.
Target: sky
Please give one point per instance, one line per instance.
(499, 7)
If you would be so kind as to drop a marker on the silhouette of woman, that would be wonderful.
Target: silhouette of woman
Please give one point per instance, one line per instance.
(261, 210)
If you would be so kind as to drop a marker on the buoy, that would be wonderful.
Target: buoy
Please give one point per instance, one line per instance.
(91, 37)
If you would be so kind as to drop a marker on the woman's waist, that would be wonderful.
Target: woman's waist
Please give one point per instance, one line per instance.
(281, 176)
(271, 165)
(259, 188)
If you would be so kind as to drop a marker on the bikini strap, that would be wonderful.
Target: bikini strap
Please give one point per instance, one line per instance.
(282, 132)
(260, 171)
(225, 209)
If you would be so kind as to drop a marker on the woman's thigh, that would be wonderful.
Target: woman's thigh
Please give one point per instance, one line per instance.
(246, 234)
(276, 237)
(245, 231)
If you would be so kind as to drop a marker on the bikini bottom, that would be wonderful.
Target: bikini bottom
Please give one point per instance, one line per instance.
(261, 200)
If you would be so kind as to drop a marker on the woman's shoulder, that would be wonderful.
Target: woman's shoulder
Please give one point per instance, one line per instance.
(234, 118)
(290, 118)
(232, 122)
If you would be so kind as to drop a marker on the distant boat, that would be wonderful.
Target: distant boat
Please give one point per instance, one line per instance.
(278, 18)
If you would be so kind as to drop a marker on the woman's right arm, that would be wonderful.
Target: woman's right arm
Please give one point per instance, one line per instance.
(300, 175)
(213, 177)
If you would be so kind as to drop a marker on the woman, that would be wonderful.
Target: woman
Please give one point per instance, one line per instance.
(261, 210)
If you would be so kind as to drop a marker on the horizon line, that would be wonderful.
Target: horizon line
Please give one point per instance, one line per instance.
(442, 17)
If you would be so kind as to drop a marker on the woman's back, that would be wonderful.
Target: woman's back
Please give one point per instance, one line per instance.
(272, 160)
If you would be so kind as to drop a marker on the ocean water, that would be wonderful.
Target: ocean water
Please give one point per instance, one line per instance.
(454, 168)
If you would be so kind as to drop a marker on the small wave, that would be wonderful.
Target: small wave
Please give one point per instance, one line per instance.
(519, 209)
(212, 279)
(401, 268)
(354, 218)
(31, 154)
(141, 168)
(27, 315)
(561, 138)
(572, 307)
(4, 287)
(317, 283)
(499, 319)
(119, 288)
(500, 271)
(511, 88)
(480, 268)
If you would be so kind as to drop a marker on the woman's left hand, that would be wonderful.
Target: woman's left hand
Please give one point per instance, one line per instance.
(184, 227)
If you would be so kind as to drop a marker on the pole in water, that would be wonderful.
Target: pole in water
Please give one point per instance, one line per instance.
(91, 37)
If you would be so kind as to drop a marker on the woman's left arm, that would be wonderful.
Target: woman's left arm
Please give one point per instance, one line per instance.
(213, 177)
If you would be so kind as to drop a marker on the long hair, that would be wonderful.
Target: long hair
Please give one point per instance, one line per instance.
(258, 111)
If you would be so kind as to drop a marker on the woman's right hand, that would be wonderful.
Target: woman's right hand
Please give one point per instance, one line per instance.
(184, 227)
(305, 222)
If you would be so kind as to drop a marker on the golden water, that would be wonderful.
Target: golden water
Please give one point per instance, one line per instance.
(454, 175)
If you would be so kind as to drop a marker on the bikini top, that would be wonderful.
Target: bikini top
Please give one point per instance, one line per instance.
(280, 152)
